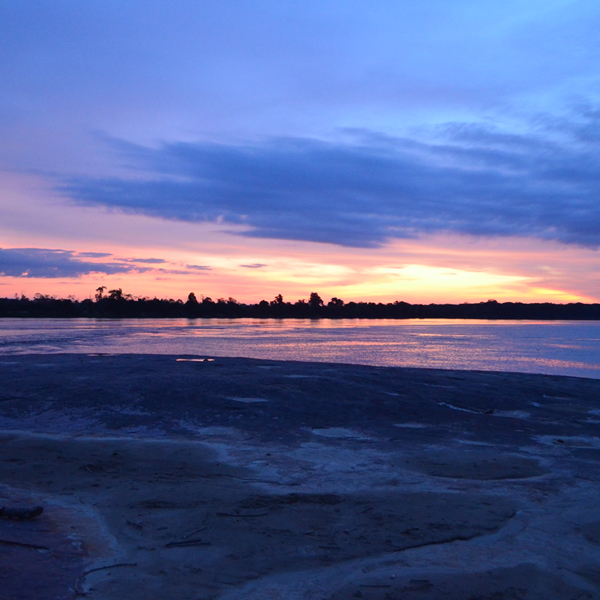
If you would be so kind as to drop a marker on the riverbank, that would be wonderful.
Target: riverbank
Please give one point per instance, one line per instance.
(239, 478)
(123, 306)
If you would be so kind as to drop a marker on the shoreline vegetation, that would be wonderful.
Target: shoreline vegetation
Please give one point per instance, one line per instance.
(114, 304)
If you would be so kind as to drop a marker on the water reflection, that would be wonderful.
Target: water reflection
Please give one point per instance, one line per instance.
(557, 347)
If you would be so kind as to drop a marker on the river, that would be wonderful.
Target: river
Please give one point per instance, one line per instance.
(551, 347)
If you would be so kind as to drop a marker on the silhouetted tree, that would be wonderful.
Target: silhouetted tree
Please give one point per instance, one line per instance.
(335, 302)
(315, 300)
(116, 294)
(116, 304)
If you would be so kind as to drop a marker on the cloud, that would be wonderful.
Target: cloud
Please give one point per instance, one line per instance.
(93, 254)
(149, 261)
(199, 267)
(369, 188)
(254, 266)
(51, 264)
(173, 271)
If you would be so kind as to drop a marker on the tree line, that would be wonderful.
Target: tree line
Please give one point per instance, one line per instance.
(115, 304)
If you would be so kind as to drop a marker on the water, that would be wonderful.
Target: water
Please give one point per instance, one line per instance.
(555, 347)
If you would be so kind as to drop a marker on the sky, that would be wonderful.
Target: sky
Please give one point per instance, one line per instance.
(416, 150)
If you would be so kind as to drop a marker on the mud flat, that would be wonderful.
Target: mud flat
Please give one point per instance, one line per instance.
(177, 477)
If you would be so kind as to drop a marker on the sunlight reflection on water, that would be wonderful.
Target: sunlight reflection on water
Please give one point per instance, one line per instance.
(552, 347)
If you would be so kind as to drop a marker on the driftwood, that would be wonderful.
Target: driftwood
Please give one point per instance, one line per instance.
(187, 535)
(186, 543)
(77, 588)
(21, 513)
(23, 545)
(224, 514)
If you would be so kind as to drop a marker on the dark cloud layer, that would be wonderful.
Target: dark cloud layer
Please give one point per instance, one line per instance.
(45, 263)
(367, 189)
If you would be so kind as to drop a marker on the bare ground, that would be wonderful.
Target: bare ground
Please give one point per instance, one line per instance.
(240, 478)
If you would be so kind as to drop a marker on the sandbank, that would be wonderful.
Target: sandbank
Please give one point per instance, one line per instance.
(178, 477)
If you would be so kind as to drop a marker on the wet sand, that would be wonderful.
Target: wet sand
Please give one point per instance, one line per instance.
(247, 479)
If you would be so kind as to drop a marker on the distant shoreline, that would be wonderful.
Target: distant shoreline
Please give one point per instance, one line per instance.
(119, 306)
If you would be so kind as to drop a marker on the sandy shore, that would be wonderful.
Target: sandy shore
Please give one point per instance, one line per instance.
(247, 479)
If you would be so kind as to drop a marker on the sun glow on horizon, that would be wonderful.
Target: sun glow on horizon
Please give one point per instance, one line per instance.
(251, 278)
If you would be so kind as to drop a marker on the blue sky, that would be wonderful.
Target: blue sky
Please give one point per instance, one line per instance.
(328, 133)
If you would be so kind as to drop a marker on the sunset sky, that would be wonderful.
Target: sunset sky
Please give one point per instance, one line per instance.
(417, 150)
